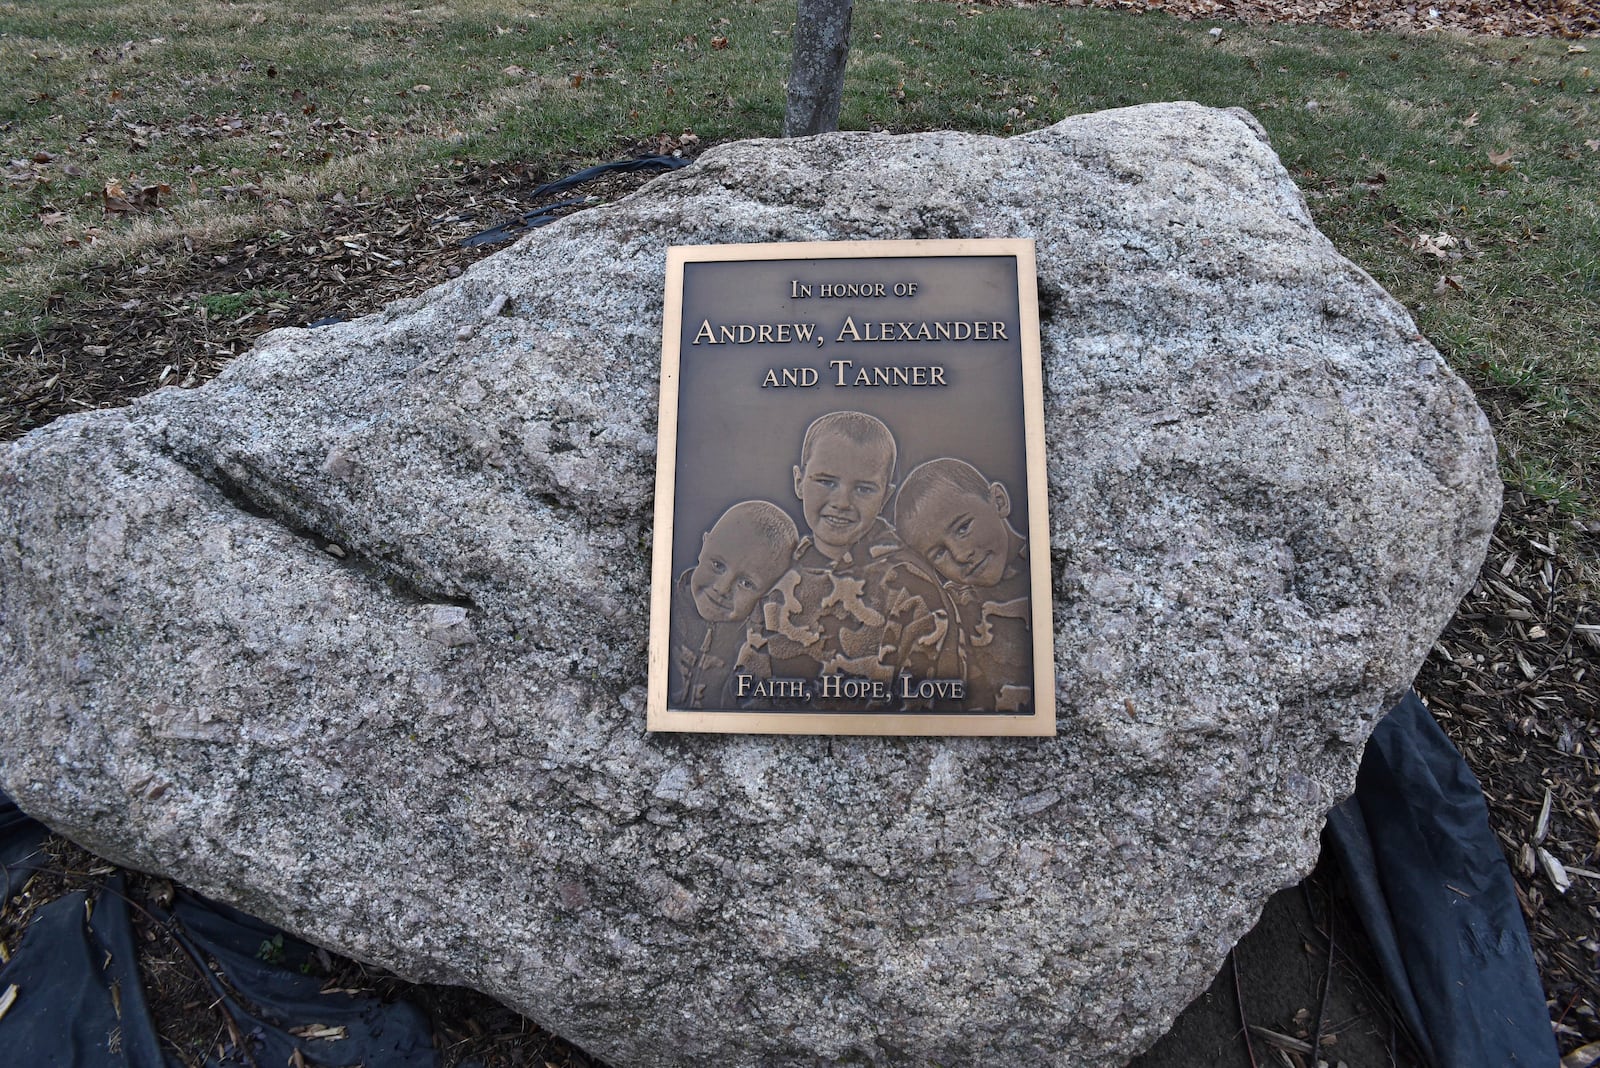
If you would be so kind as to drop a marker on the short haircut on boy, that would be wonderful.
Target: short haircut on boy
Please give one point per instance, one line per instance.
(925, 478)
(858, 427)
(772, 522)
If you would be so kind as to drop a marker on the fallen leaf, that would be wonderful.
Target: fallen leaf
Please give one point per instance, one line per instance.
(1447, 283)
(1501, 160)
(113, 200)
(576, 80)
(150, 195)
(1573, 50)
(1437, 245)
(513, 71)
(423, 88)
(719, 42)
(1470, 120)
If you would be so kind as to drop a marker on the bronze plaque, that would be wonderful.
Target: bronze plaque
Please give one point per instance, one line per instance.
(850, 528)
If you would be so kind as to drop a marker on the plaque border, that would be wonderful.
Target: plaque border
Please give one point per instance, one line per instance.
(1042, 721)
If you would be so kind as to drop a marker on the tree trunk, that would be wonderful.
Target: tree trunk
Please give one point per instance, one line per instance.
(816, 77)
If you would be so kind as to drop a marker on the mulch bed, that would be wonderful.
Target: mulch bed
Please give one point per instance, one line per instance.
(128, 329)
(1514, 680)
(1501, 18)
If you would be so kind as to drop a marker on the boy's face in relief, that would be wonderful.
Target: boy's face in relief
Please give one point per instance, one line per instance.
(842, 489)
(737, 566)
(964, 536)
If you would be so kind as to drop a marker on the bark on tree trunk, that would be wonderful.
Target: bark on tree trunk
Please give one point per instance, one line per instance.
(816, 76)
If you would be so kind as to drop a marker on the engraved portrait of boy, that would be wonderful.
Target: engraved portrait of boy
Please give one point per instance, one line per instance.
(958, 521)
(856, 605)
(744, 553)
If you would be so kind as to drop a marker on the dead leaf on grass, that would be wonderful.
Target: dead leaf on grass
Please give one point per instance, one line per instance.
(1501, 160)
(1436, 245)
(113, 199)
(1471, 120)
(88, 237)
(116, 200)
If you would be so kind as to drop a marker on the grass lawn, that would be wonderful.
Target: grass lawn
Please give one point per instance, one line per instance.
(181, 176)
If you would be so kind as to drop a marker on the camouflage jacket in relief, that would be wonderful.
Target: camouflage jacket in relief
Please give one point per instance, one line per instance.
(875, 613)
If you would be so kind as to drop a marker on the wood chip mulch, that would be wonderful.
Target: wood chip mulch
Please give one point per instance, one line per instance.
(177, 317)
(1515, 682)
(1499, 18)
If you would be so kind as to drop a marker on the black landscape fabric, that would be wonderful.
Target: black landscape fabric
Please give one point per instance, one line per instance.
(1428, 877)
(80, 1003)
(1437, 899)
(515, 228)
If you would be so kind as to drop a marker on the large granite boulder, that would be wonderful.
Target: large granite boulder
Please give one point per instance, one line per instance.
(354, 637)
